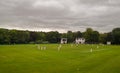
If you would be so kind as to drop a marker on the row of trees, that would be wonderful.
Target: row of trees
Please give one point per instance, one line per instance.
(25, 37)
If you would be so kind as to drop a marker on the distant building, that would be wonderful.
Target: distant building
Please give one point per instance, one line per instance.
(63, 40)
(108, 43)
(80, 40)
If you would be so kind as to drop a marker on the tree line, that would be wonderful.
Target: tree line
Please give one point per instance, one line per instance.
(32, 37)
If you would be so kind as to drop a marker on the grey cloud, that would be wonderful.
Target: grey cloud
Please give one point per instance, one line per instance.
(60, 15)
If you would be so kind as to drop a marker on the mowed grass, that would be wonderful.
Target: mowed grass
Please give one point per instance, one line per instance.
(70, 59)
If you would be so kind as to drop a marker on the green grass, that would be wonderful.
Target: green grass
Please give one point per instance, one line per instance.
(70, 59)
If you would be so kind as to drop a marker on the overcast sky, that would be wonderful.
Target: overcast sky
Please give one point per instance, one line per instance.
(60, 15)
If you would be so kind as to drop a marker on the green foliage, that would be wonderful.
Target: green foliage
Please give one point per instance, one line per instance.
(70, 36)
(24, 37)
(53, 37)
(103, 38)
(116, 35)
(4, 36)
(64, 35)
(78, 34)
(91, 36)
(17, 37)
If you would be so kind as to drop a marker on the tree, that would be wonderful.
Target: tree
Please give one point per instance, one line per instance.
(4, 36)
(116, 35)
(24, 36)
(63, 35)
(18, 37)
(91, 36)
(95, 37)
(87, 35)
(78, 34)
(103, 38)
(53, 37)
(70, 36)
(109, 37)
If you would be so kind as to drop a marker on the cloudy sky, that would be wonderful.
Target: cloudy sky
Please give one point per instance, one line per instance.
(60, 15)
